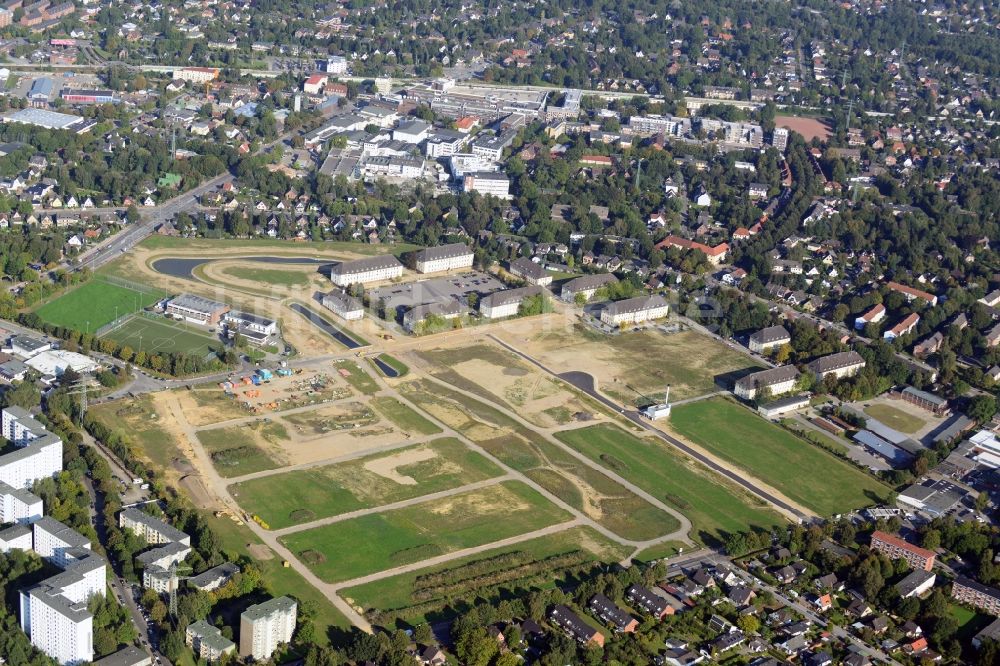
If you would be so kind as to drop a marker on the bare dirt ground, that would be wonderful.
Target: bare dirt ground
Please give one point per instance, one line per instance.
(388, 466)
(807, 127)
(496, 374)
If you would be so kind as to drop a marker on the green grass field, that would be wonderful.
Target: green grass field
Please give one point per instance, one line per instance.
(377, 542)
(272, 276)
(357, 377)
(714, 507)
(93, 305)
(895, 418)
(405, 590)
(405, 418)
(303, 495)
(139, 418)
(804, 472)
(237, 451)
(160, 335)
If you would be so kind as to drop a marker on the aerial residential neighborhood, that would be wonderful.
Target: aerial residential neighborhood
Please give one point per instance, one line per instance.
(491, 334)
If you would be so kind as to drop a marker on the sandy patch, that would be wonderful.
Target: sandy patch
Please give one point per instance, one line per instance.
(259, 551)
(807, 127)
(496, 501)
(387, 467)
(199, 495)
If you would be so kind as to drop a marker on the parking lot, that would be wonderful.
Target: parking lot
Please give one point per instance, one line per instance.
(453, 288)
(59, 81)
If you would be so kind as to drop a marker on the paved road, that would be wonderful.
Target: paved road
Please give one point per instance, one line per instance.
(122, 590)
(100, 254)
(585, 382)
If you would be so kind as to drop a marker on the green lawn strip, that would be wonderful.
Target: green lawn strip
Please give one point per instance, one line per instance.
(661, 550)
(804, 472)
(271, 276)
(401, 368)
(234, 452)
(280, 580)
(895, 418)
(405, 418)
(714, 508)
(94, 304)
(377, 542)
(357, 377)
(411, 596)
(296, 497)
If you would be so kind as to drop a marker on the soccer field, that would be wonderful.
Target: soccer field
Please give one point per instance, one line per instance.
(94, 304)
(159, 335)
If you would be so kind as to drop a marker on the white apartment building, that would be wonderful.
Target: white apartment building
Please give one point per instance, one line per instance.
(60, 628)
(40, 455)
(769, 338)
(54, 612)
(444, 258)
(18, 505)
(654, 124)
(265, 626)
(336, 65)
(635, 310)
(507, 302)
(778, 381)
(460, 164)
(343, 305)
(207, 641)
(444, 143)
(487, 183)
(16, 537)
(197, 74)
(152, 529)
(839, 365)
(369, 269)
(56, 542)
(586, 285)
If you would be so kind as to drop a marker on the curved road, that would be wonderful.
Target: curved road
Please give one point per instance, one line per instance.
(585, 382)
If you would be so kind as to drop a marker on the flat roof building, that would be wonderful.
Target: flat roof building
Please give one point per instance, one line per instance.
(39, 455)
(45, 118)
(197, 309)
(207, 641)
(129, 656)
(916, 583)
(265, 626)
